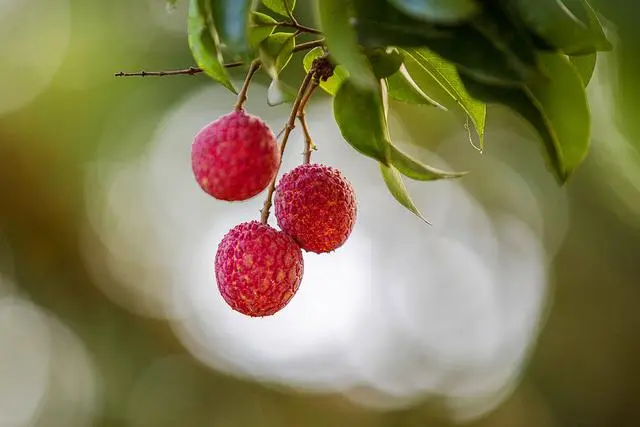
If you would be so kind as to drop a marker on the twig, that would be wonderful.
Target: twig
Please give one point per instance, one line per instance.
(187, 71)
(309, 146)
(290, 12)
(196, 70)
(309, 45)
(299, 27)
(242, 96)
(291, 124)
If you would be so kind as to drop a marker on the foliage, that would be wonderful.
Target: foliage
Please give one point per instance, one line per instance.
(534, 57)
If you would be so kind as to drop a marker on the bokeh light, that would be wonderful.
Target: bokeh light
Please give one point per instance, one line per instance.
(45, 370)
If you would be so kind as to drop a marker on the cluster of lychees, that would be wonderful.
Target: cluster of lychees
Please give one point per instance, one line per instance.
(258, 268)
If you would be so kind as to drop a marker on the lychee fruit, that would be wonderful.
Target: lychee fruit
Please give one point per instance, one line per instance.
(258, 269)
(316, 205)
(235, 157)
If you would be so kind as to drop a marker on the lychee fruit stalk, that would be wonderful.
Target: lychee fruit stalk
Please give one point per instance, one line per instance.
(258, 269)
(316, 205)
(235, 157)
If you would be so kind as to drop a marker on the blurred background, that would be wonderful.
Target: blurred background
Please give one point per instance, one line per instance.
(518, 307)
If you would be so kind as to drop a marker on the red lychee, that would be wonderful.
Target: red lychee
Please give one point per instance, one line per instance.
(258, 269)
(235, 157)
(316, 205)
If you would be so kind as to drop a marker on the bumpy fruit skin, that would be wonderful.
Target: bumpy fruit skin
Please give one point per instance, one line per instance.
(316, 205)
(258, 269)
(235, 157)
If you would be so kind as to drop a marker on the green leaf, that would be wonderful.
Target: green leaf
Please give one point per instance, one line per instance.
(281, 7)
(380, 24)
(398, 190)
(341, 39)
(361, 119)
(585, 66)
(384, 62)
(557, 109)
(442, 11)
(413, 169)
(511, 39)
(339, 73)
(432, 70)
(490, 46)
(262, 26)
(403, 88)
(204, 47)
(231, 19)
(276, 51)
(554, 22)
(585, 13)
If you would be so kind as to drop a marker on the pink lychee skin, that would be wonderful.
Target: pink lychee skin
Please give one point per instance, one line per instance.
(235, 157)
(258, 269)
(316, 205)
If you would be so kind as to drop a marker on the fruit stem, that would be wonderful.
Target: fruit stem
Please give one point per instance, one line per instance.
(309, 146)
(291, 124)
(242, 96)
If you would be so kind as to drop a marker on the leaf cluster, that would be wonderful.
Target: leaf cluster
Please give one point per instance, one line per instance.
(534, 57)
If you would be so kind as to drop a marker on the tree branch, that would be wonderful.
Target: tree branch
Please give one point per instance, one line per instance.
(187, 71)
(197, 70)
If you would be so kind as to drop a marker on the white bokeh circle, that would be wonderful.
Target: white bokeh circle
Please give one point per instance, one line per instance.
(402, 310)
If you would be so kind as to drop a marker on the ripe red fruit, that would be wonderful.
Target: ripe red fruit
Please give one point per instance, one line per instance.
(235, 157)
(316, 205)
(258, 269)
